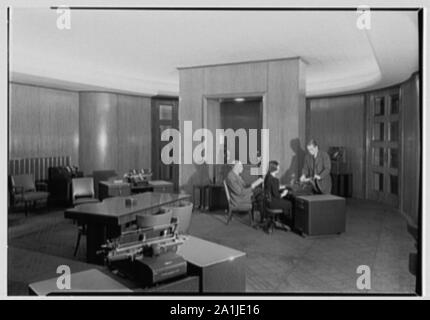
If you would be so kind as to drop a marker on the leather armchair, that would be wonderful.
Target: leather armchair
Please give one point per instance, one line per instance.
(102, 175)
(60, 183)
(83, 191)
(23, 189)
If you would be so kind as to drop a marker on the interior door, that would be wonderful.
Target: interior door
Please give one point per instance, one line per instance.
(164, 116)
(384, 148)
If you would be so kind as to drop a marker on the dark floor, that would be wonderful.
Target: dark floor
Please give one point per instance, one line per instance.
(282, 262)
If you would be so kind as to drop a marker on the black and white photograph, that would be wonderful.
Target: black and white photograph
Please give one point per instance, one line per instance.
(214, 151)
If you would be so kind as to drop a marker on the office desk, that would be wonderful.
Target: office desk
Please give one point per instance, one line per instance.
(106, 219)
(88, 281)
(109, 189)
(212, 268)
(161, 186)
(96, 282)
(220, 268)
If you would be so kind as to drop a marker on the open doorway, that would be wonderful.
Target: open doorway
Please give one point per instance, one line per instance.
(234, 112)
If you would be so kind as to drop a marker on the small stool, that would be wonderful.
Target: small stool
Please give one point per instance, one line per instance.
(272, 215)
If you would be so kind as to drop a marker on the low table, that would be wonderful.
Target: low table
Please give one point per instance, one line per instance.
(220, 268)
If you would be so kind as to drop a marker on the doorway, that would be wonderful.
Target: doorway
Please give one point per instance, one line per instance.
(383, 147)
(164, 116)
(235, 112)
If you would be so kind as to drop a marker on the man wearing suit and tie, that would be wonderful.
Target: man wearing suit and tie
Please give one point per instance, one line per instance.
(240, 193)
(316, 169)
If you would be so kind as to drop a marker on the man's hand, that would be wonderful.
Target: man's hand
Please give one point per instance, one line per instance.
(317, 177)
(284, 193)
(304, 179)
(257, 183)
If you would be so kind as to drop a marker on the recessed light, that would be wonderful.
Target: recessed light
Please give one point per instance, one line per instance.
(239, 99)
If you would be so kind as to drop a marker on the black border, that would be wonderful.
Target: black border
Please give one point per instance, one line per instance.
(419, 10)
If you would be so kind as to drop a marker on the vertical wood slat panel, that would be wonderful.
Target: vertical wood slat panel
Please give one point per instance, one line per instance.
(43, 122)
(38, 167)
(134, 133)
(411, 155)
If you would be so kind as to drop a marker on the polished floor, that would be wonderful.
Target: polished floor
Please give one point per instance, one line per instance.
(282, 262)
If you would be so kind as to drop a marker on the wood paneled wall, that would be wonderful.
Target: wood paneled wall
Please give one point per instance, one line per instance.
(134, 133)
(281, 82)
(115, 132)
(98, 131)
(340, 121)
(43, 122)
(411, 149)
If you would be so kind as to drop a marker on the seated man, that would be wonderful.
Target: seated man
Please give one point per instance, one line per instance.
(240, 193)
(316, 169)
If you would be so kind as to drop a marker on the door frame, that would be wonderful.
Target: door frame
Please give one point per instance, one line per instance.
(384, 197)
(156, 134)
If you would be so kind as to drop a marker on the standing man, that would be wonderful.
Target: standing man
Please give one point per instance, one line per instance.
(316, 169)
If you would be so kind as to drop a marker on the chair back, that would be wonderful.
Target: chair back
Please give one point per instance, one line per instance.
(164, 216)
(227, 193)
(23, 181)
(102, 175)
(182, 213)
(82, 187)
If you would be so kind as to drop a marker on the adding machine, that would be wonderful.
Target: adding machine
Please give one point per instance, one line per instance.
(147, 255)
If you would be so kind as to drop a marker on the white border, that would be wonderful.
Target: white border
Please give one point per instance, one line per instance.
(209, 3)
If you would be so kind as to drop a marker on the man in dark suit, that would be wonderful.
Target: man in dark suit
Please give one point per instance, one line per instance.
(316, 169)
(240, 193)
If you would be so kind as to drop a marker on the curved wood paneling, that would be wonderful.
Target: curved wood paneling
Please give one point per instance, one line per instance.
(98, 138)
(340, 121)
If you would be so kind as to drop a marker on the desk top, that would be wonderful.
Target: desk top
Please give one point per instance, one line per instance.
(114, 184)
(320, 197)
(115, 208)
(157, 183)
(89, 281)
(203, 253)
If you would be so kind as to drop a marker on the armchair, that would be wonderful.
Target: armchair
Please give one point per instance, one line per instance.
(83, 191)
(231, 208)
(23, 189)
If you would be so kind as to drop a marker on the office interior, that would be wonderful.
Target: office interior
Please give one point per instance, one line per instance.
(88, 103)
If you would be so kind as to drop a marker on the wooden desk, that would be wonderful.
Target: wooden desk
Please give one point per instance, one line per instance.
(88, 281)
(161, 186)
(96, 282)
(106, 219)
(220, 268)
(212, 268)
(108, 189)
